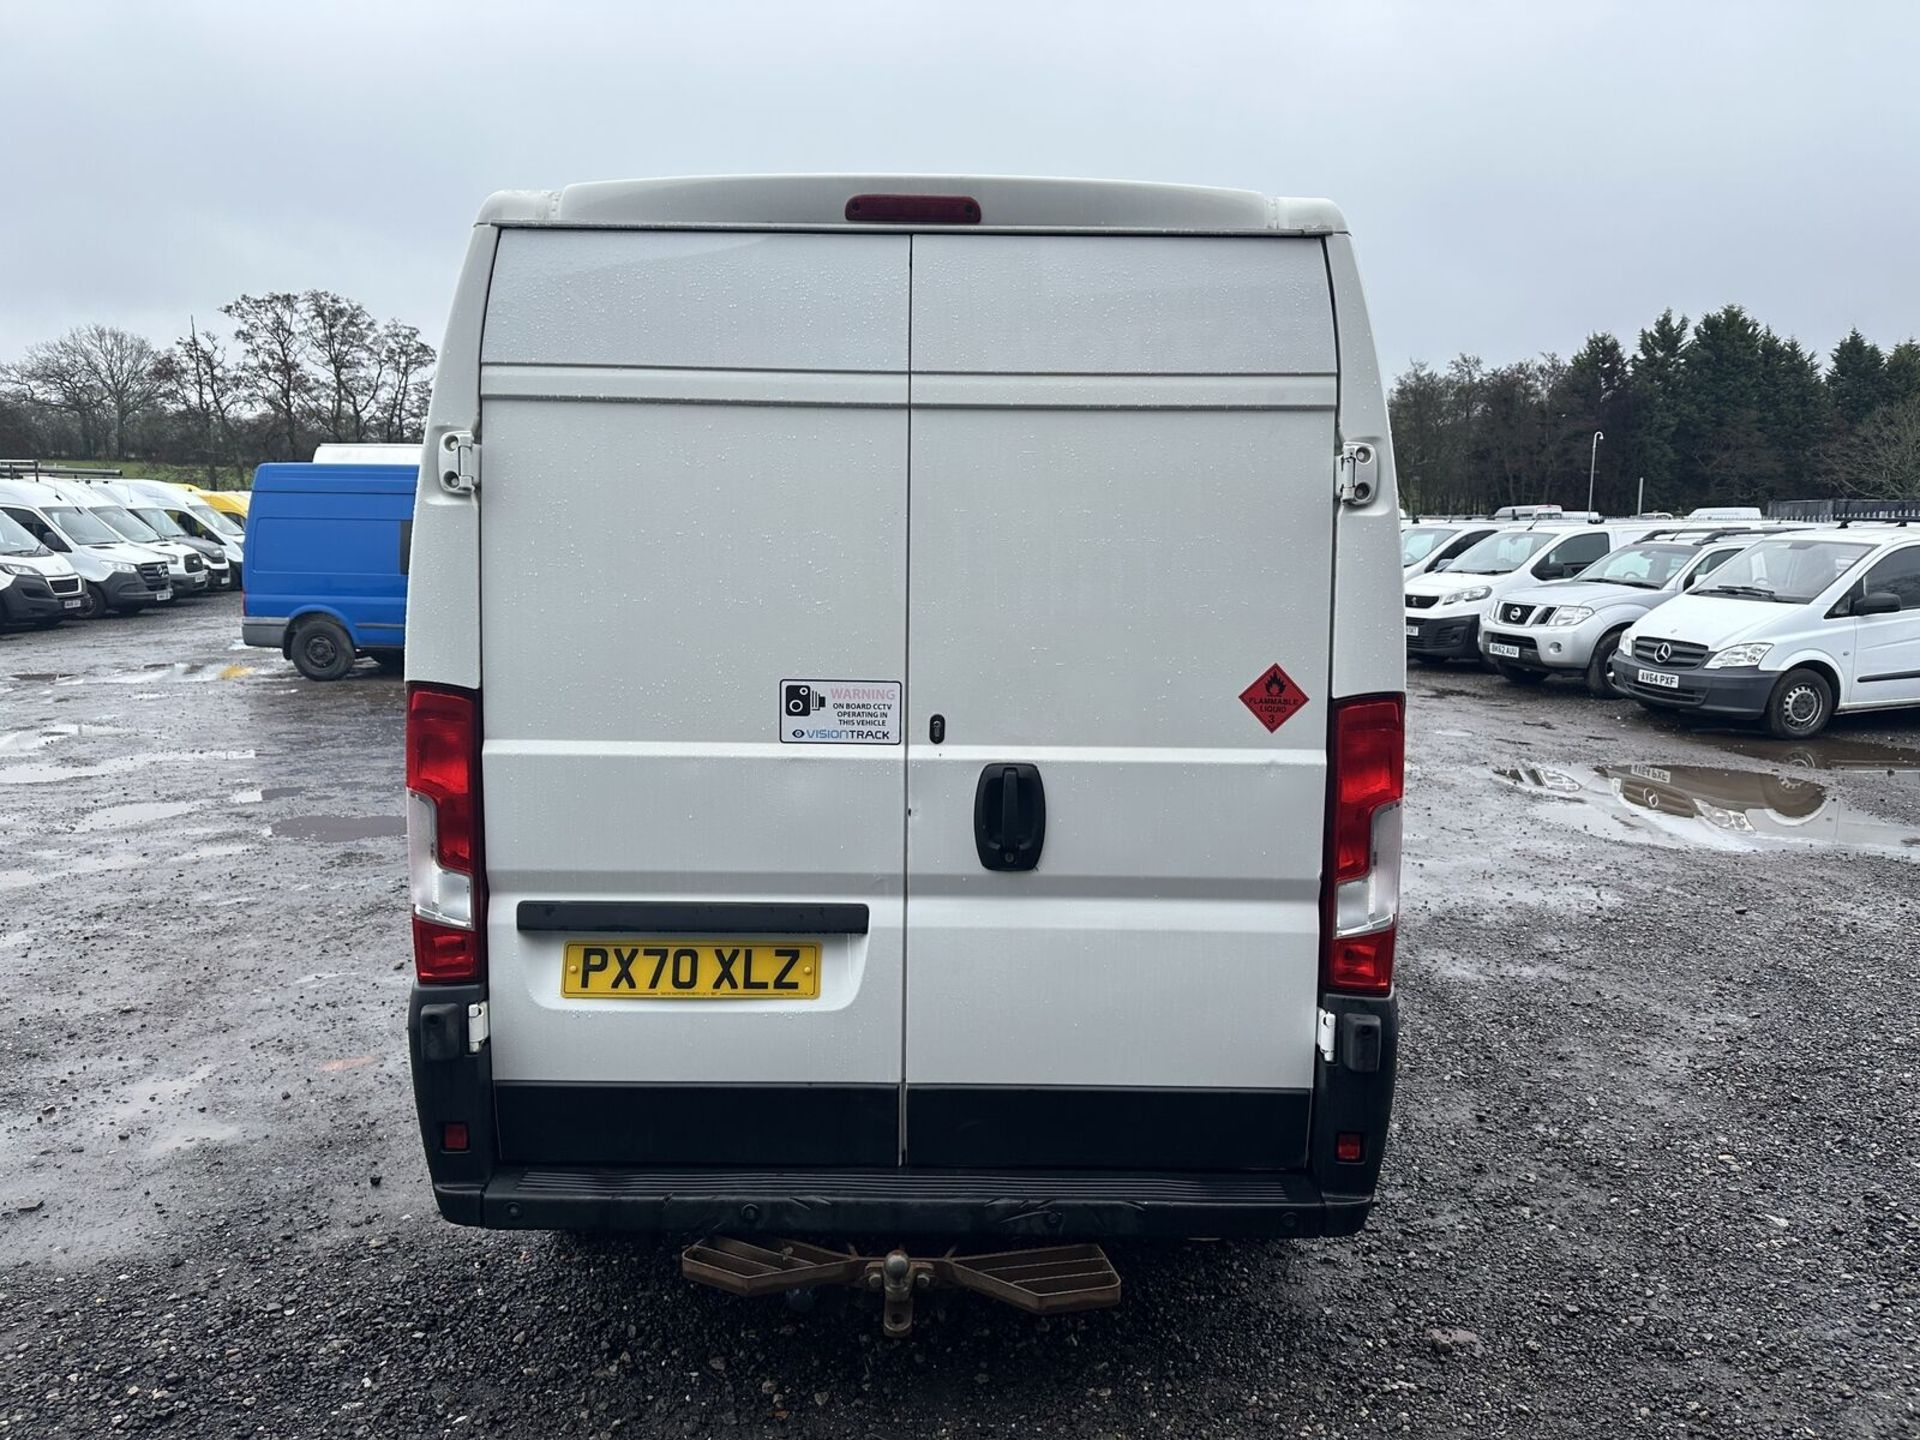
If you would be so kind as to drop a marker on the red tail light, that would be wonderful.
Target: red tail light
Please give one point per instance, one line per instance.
(443, 833)
(1367, 758)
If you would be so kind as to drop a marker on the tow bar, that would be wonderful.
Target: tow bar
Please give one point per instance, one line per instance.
(1041, 1282)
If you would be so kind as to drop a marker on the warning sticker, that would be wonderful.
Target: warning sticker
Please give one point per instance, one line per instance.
(1273, 698)
(840, 712)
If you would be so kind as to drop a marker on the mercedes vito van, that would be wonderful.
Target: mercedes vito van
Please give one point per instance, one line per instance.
(904, 717)
(1792, 630)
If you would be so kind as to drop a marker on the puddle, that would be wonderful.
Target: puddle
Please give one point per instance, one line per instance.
(42, 773)
(1702, 805)
(339, 827)
(46, 677)
(137, 812)
(1829, 752)
(267, 792)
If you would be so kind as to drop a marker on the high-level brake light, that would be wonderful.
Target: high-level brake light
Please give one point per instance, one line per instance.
(443, 833)
(914, 210)
(1362, 902)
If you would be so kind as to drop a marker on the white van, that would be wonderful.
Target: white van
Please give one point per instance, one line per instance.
(1794, 628)
(141, 505)
(1429, 545)
(37, 587)
(116, 574)
(904, 714)
(186, 569)
(366, 454)
(1444, 609)
(200, 520)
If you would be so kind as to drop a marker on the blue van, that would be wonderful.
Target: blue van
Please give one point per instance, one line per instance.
(326, 576)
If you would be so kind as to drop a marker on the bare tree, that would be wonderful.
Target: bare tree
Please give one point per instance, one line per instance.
(274, 350)
(101, 376)
(201, 384)
(1879, 459)
(343, 341)
(406, 367)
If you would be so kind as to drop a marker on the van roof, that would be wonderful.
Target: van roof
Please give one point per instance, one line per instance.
(1007, 202)
(29, 492)
(310, 477)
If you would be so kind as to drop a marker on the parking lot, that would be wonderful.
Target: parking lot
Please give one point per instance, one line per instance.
(1655, 1166)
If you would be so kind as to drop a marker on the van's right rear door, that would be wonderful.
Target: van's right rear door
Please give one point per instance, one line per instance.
(1123, 472)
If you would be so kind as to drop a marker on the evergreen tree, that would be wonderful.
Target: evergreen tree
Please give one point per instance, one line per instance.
(1857, 379)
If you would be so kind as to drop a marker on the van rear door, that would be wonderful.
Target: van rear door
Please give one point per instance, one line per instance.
(694, 502)
(1123, 463)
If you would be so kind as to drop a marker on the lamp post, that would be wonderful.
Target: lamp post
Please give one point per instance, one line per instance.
(1593, 459)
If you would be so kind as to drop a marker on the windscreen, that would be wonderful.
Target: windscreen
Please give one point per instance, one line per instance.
(214, 520)
(16, 539)
(1499, 554)
(159, 522)
(1787, 572)
(82, 527)
(1645, 567)
(128, 526)
(1419, 542)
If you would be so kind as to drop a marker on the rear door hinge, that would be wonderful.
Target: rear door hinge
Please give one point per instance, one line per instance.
(1325, 1035)
(459, 462)
(1359, 474)
(477, 1030)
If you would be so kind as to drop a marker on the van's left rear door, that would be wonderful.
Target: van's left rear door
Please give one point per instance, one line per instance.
(693, 500)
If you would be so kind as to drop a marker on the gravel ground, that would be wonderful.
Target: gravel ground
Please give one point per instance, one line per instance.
(1653, 1172)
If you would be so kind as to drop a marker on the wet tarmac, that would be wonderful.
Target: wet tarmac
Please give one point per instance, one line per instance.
(1652, 1172)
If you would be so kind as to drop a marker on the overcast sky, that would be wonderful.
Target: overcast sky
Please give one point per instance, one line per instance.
(1516, 175)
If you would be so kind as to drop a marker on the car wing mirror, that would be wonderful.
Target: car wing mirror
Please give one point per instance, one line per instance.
(1877, 602)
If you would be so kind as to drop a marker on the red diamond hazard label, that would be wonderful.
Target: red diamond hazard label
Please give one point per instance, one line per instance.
(1273, 698)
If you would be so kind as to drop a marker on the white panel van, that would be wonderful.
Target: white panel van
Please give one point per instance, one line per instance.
(905, 713)
(1790, 632)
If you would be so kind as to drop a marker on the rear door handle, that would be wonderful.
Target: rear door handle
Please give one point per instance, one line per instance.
(1009, 816)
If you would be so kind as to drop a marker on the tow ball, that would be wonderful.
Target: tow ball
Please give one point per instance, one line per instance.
(1051, 1281)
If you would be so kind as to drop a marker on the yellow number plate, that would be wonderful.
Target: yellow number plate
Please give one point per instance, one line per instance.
(691, 970)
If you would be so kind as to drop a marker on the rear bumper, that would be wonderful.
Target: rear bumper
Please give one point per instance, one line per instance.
(1455, 637)
(1711, 692)
(267, 634)
(902, 1201)
(646, 1176)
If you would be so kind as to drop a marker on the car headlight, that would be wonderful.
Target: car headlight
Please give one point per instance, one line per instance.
(10, 569)
(121, 567)
(1570, 615)
(1462, 597)
(1739, 655)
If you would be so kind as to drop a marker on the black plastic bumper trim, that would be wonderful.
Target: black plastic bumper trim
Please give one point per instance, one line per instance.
(1123, 1129)
(556, 1123)
(690, 918)
(896, 1202)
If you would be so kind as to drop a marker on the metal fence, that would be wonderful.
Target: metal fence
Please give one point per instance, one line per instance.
(1843, 510)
